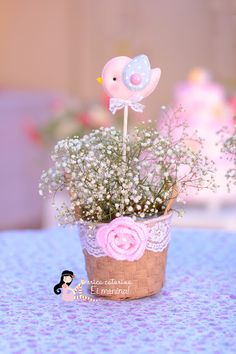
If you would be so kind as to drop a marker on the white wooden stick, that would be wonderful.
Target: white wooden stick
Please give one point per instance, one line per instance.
(125, 129)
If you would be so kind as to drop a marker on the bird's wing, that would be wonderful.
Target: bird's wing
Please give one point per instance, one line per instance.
(139, 65)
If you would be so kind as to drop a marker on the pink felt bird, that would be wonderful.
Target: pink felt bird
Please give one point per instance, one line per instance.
(127, 81)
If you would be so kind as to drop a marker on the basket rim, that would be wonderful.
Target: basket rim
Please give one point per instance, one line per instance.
(149, 218)
(157, 218)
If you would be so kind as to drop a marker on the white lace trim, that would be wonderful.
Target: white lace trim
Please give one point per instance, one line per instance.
(158, 240)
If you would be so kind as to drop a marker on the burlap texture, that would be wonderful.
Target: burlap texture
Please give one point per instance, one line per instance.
(135, 279)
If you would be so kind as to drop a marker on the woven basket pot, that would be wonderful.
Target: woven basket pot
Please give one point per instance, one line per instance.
(120, 280)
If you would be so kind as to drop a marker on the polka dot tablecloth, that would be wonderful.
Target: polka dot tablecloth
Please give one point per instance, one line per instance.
(195, 312)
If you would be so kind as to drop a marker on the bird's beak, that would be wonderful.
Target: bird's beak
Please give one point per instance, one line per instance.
(99, 80)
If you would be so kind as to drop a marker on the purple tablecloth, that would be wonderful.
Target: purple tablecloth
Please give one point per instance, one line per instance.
(195, 313)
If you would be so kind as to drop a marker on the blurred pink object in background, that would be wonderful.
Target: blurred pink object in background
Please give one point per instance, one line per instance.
(207, 111)
(31, 131)
(95, 117)
(21, 159)
(232, 103)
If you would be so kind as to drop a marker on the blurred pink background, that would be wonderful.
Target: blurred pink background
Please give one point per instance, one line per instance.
(53, 50)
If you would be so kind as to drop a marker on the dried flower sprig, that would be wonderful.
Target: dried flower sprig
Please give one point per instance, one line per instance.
(102, 187)
(228, 141)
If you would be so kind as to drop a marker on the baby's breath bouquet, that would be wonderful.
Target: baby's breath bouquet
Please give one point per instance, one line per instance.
(102, 186)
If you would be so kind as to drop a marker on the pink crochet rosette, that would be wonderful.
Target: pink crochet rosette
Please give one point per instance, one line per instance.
(123, 239)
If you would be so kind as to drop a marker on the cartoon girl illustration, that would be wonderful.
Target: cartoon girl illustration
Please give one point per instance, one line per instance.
(69, 293)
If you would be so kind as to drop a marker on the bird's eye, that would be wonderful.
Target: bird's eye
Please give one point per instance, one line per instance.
(114, 79)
